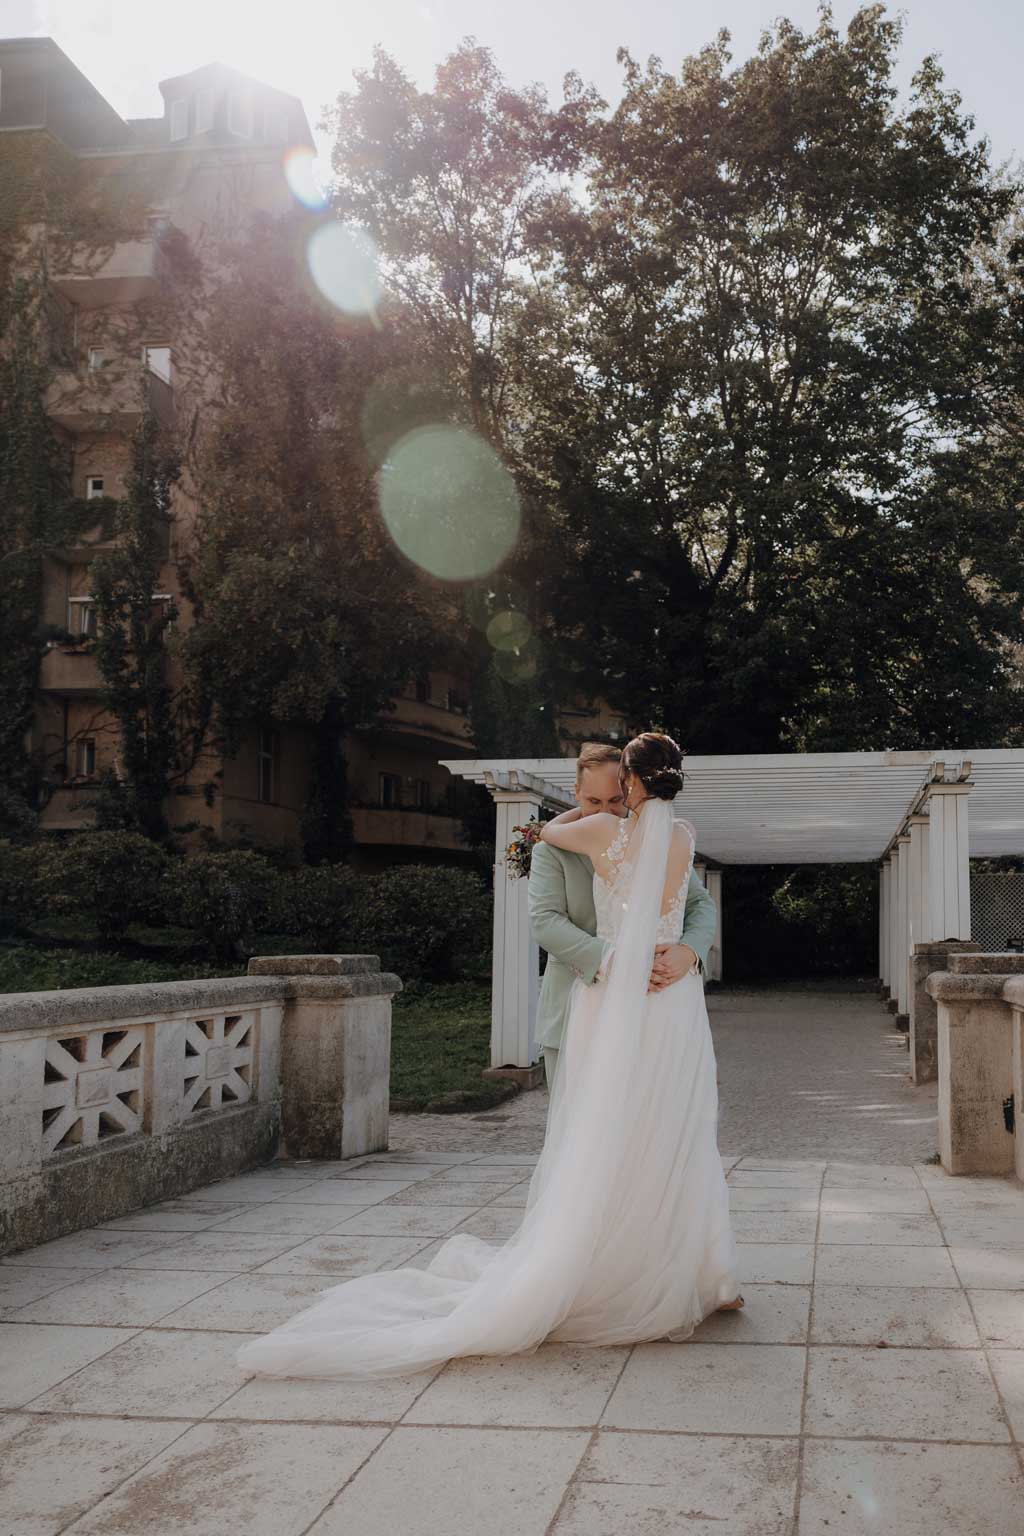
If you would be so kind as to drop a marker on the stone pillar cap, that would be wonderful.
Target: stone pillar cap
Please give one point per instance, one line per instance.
(314, 965)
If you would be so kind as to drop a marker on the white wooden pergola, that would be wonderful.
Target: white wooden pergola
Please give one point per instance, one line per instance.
(905, 811)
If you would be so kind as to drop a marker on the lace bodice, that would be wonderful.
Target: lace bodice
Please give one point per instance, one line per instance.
(611, 893)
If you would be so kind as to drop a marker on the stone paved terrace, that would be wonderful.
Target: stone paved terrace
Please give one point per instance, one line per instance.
(874, 1382)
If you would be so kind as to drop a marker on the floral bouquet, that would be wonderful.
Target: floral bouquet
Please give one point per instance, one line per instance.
(519, 852)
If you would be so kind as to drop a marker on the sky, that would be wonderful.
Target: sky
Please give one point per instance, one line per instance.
(311, 47)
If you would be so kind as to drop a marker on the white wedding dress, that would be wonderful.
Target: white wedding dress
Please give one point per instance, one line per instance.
(626, 1233)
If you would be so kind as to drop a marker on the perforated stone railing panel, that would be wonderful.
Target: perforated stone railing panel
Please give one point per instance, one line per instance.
(92, 1087)
(219, 1055)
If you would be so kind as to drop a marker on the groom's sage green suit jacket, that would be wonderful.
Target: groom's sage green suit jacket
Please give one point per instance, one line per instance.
(563, 921)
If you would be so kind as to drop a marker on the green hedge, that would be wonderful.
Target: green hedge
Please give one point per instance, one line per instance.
(426, 922)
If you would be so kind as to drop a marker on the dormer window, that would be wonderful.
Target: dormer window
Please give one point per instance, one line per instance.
(240, 116)
(204, 111)
(179, 119)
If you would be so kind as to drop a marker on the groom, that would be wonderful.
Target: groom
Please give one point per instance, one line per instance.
(563, 920)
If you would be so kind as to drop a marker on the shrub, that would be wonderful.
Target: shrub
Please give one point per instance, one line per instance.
(315, 904)
(425, 921)
(225, 898)
(117, 878)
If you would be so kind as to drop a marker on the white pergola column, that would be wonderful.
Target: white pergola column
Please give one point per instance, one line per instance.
(883, 922)
(515, 963)
(515, 980)
(917, 899)
(902, 924)
(894, 925)
(713, 882)
(949, 877)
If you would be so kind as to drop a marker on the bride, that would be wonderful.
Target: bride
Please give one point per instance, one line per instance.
(626, 1232)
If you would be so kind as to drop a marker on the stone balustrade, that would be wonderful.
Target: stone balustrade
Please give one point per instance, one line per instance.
(114, 1097)
(980, 1021)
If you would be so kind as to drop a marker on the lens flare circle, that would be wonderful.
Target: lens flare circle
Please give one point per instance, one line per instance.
(448, 502)
(509, 630)
(344, 263)
(299, 173)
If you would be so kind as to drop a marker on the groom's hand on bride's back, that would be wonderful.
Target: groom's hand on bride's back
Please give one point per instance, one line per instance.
(671, 963)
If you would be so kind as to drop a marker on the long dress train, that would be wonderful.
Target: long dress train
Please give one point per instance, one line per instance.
(626, 1233)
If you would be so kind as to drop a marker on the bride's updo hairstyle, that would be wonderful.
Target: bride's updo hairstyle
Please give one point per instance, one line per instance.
(657, 762)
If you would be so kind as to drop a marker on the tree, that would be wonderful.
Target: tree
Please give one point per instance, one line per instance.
(37, 511)
(304, 614)
(159, 740)
(448, 183)
(773, 341)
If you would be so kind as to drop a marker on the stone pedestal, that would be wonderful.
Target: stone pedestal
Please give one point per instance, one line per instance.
(976, 1061)
(928, 957)
(335, 1053)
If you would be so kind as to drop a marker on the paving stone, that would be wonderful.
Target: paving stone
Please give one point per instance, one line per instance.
(991, 1268)
(750, 1389)
(864, 1487)
(119, 1298)
(35, 1356)
(270, 1479)
(228, 1251)
(358, 1192)
(95, 1248)
(405, 1221)
(20, 1285)
(512, 1199)
(53, 1470)
(770, 1263)
(432, 1193)
(252, 1303)
(1000, 1317)
(771, 1314)
(917, 1394)
(494, 1223)
(743, 1197)
(877, 1227)
(176, 1216)
(925, 1316)
(981, 1229)
(1008, 1370)
(283, 1399)
(743, 1177)
(874, 1198)
(344, 1257)
(170, 1374)
(424, 1481)
(871, 1175)
(559, 1386)
(884, 1264)
(651, 1485)
(502, 1177)
(773, 1226)
(249, 1188)
(286, 1220)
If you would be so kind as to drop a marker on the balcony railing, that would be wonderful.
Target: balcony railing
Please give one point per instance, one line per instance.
(131, 271)
(110, 398)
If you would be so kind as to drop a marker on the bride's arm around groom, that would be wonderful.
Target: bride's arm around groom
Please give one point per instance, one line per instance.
(564, 923)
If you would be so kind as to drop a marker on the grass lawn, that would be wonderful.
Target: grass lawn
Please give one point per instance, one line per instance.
(440, 1043)
(440, 1036)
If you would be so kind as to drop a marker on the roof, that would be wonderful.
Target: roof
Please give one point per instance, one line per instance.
(816, 807)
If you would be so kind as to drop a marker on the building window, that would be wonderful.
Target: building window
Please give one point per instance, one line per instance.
(158, 361)
(268, 748)
(97, 359)
(94, 487)
(82, 618)
(390, 791)
(423, 688)
(179, 120)
(85, 758)
(204, 112)
(240, 116)
(421, 793)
